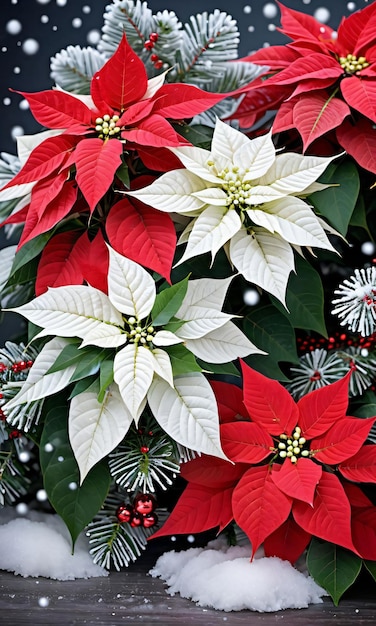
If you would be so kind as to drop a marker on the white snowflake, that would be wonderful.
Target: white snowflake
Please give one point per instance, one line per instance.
(356, 306)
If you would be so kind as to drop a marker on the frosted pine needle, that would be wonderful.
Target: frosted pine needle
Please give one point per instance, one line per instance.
(315, 369)
(356, 306)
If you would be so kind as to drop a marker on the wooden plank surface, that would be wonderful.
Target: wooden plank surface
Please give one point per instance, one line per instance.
(133, 597)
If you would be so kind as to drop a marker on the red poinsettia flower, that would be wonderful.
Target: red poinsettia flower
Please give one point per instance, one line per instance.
(320, 82)
(125, 113)
(287, 481)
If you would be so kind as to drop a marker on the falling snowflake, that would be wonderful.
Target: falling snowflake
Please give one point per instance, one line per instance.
(357, 305)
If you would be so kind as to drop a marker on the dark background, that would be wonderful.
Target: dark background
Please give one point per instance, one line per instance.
(31, 31)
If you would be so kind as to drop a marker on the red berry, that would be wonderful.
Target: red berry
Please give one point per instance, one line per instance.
(136, 520)
(144, 449)
(150, 520)
(144, 503)
(154, 57)
(148, 44)
(124, 513)
(153, 37)
(158, 64)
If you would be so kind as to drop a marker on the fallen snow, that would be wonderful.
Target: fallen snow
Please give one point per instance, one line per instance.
(41, 546)
(223, 578)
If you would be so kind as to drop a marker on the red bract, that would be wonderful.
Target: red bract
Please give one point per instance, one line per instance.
(287, 481)
(322, 81)
(124, 114)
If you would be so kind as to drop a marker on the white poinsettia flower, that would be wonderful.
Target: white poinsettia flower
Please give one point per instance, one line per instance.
(131, 321)
(244, 196)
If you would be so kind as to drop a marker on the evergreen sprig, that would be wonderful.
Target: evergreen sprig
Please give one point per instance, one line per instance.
(73, 68)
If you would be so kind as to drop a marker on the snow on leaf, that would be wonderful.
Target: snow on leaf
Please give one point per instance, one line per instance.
(172, 192)
(39, 384)
(264, 259)
(133, 372)
(259, 506)
(211, 230)
(329, 517)
(130, 288)
(199, 508)
(96, 428)
(188, 412)
(298, 480)
(75, 311)
(222, 345)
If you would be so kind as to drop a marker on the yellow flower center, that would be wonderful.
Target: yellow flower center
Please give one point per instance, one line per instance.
(292, 447)
(238, 191)
(106, 126)
(140, 334)
(352, 64)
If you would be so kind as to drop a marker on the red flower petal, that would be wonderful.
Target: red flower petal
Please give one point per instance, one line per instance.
(316, 114)
(212, 472)
(301, 26)
(274, 57)
(142, 234)
(364, 532)
(94, 260)
(45, 191)
(199, 508)
(359, 141)
(357, 31)
(178, 100)
(329, 517)
(259, 506)
(158, 159)
(362, 466)
(360, 95)
(356, 496)
(57, 266)
(268, 403)
(319, 66)
(298, 480)
(342, 440)
(57, 109)
(229, 400)
(245, 442)
(288, 542)
(45, 159)
(153, 131)
(322, 407)
(96, 162)
(121, 81)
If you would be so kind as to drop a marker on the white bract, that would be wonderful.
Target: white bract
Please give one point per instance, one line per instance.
(184, 405)
(244, 196)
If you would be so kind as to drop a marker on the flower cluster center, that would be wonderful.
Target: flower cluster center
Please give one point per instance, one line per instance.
(292, 447)
(138, 334)
(352, 64)
(238, 191)
(106, 126)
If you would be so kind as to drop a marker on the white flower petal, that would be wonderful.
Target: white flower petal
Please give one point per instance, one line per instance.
(222, 345)
(130, 287)
(208, 293)
(212, 195)
(172, 192)
(188, 412)
(196, 161)
(227, 141)
(133, 372)
(201, 321)
(256, 156)
(211, 230)
(96, 428)
(165, 338)
(292, 173)
(162, 365)
(264, 259)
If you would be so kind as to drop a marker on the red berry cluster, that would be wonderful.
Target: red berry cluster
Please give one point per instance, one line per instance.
(140, 513)
(149, 45)
(337, 341)
(19, 366)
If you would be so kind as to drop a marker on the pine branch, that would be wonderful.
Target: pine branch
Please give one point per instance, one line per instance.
(73, 68)
(134, 19)
(13, 483)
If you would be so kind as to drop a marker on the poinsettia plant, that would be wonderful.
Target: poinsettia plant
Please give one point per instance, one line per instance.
(322, 83)
(157, 244)
(292, 473)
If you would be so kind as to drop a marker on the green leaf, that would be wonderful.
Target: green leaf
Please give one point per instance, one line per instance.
(122, 173)
(332, 567)
(168, 302)
(91, 383)
(198, 134)
(77, 505)
(182, 360)
(337, 203)
(371, 567)
(359, 216)
(225, 369)
(29, 251)
(70, 355)
(364, 410)
(89, 364)
(106, 377)
(304, 299)
(272, 332)
(173, 325)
